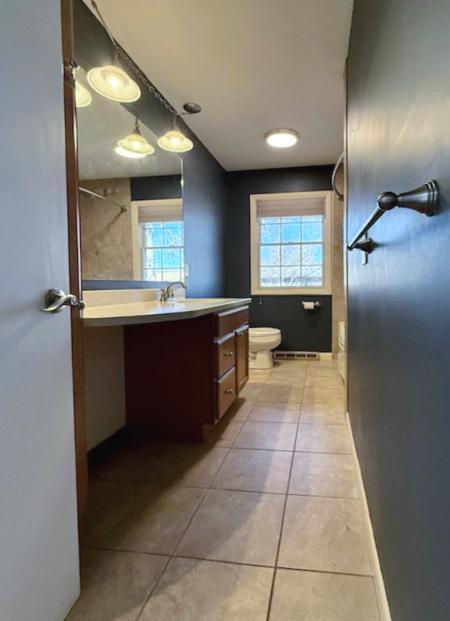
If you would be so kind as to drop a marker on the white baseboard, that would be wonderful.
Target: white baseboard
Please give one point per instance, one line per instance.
(379, 581)
(325, 355)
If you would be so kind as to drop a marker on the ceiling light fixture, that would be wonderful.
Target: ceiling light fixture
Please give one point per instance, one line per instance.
(83, 97)
(281, 138)
(134, 146)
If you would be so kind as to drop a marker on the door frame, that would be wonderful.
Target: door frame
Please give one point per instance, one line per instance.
(74, 244)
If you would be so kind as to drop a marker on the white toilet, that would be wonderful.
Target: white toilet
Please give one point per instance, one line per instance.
(261, 343)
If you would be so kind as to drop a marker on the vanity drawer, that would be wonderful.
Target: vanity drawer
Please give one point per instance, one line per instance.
(231, 320)
(226, 392)
(226, 354)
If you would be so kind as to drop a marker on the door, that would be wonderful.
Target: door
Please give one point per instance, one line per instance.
(38, 519)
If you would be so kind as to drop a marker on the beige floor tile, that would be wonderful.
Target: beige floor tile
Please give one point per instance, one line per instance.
(313, 396)
(158, 464)
(251, 391)
(271, 436)
(255, 471)
(311, 596)
(281, 393)
(325, 383)
(320, 413)
(240, 410)
(325, 534)
(144, 518)
(294, 373)
(323, 474)
(241, 527)
(223, 434)
(193, 590)
(115, 585)
(319, 438)
(258, 377)
(275, 412)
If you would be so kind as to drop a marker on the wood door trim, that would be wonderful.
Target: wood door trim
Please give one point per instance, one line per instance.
(73, 221)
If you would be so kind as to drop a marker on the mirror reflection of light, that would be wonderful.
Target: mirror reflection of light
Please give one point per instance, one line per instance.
(175, 141)
(130, 154)
(113, 83)
(83, 97)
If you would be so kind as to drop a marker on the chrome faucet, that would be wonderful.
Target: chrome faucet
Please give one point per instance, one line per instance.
(167, 293)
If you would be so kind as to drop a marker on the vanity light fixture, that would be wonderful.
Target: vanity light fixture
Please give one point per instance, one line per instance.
(281, 138)
(134, 146)
(113, 83)
(175, 141)
(83, 97)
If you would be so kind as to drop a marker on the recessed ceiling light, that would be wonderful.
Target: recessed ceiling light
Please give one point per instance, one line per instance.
(281, 138)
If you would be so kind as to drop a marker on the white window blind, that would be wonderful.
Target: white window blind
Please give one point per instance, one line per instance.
(161, 213)
(291, 207)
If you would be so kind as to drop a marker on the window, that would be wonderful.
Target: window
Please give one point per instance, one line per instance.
(158, 240)
(290, 239)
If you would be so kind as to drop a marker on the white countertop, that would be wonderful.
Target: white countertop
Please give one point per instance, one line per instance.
(134, 312)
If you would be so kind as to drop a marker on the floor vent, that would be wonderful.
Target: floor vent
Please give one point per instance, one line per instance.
(296, 355)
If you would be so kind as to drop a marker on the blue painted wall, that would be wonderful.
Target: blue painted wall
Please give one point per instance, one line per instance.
(399, 304)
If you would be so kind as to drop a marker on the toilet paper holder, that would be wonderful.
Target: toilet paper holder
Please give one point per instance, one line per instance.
(311, 306)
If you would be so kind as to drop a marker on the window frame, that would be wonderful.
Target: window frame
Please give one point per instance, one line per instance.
(256, 289)
(136, 230)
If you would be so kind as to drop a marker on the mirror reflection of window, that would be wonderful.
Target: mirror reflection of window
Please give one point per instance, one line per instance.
(158, 240)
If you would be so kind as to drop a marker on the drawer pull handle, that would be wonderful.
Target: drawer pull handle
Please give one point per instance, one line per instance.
(228, 353)
(230, 391)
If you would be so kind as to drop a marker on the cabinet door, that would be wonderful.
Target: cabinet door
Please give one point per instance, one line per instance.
(241, 357)
(226, 354)
(226, 392)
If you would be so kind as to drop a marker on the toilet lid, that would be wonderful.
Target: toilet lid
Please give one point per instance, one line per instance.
(264, 331)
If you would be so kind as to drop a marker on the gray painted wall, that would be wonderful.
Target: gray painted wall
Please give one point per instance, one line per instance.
(399, 304)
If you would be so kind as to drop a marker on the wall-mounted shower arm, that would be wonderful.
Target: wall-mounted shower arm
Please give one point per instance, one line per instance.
(122, 208)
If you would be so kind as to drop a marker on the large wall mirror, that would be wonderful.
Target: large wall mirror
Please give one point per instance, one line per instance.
(131, 205)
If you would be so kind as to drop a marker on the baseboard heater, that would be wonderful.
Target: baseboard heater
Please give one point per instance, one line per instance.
(296, 355)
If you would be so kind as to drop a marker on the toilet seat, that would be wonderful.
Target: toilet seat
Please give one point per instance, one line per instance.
(263, 332)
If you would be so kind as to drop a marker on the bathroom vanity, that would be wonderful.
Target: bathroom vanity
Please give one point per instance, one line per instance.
(184, 362)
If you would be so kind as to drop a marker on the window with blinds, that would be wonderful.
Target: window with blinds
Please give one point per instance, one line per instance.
(290, 242)
(161, 230)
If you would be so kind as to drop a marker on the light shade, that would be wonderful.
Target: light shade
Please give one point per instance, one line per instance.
(113, 83)
(281, 138)
(134, 146)
(83, 97)
(175, 141)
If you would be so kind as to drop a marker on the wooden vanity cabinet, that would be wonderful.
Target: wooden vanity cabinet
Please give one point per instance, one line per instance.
(184, 374)
(232, 357)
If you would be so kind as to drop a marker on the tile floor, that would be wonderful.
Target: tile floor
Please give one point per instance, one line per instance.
(262, 521)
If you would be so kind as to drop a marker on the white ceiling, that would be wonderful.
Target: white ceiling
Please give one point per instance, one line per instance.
(253, 65)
